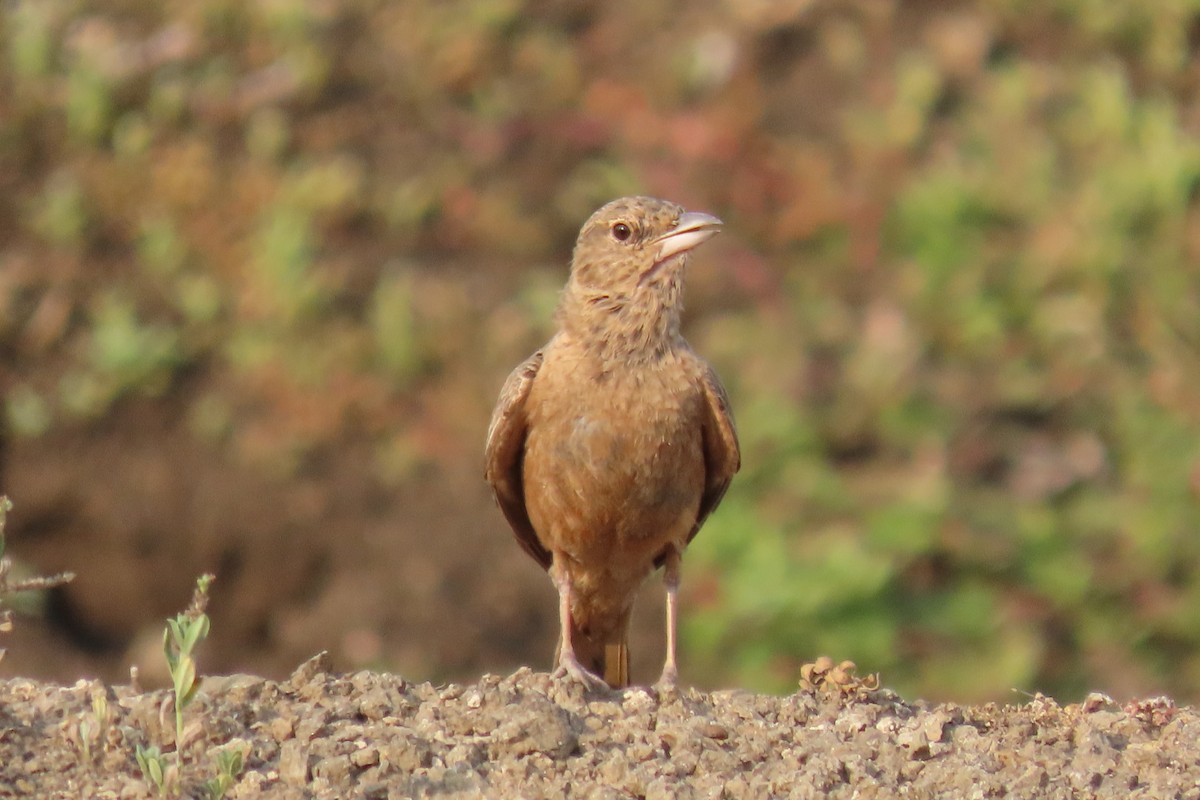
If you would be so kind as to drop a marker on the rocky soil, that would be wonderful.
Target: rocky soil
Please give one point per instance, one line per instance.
(371, 735)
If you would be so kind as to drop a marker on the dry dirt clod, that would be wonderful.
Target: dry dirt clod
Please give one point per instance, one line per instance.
(1152, 710)
(823, 675)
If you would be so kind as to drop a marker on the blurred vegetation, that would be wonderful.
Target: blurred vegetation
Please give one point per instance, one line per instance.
(957, 307)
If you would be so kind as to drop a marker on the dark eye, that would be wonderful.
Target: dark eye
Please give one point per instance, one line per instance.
(621, 231)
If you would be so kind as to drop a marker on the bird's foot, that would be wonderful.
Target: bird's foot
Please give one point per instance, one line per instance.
(569, 667)
(668, 683)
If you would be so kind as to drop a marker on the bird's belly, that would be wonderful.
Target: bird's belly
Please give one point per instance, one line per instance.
(606, 483)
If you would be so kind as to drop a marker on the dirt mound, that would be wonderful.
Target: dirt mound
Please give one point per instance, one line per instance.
(373, 735)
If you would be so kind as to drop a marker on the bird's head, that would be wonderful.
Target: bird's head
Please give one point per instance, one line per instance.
(637, 242)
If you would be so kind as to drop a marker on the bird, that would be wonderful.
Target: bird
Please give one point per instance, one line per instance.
(610, 446)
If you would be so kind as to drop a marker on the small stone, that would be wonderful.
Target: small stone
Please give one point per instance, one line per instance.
(308, 727)
(374, 791)
(465, 755)
(934, 726)
(281, 728)
(367, 757)
(408, 755)
(1097, 701)
(293, 762)
(318, 665)
(335, 770)
(913, 738)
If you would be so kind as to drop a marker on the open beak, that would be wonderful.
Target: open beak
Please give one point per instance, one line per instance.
(693, 229)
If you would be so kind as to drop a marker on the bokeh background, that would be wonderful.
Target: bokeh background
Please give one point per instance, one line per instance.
(264, 266)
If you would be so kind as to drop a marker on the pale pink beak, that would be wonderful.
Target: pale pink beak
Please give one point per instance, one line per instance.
(693, 229)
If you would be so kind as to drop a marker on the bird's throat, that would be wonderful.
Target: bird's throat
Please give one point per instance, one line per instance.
(647, 277)
(639, 326)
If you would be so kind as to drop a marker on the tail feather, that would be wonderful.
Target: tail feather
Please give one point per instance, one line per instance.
(616, 664)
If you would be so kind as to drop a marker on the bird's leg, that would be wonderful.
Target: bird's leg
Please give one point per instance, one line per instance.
(568, 664)
(670, 673)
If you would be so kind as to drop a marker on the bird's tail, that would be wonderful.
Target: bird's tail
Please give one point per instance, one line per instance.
(603, 652)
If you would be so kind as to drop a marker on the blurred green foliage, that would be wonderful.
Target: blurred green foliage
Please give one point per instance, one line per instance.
(1012, 437)
(957, 306)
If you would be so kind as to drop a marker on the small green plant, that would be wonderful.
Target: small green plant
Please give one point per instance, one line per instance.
(180, 638)
(229, 766)
(155, 768)
(91, 729)
(87, 732)
(10, 587)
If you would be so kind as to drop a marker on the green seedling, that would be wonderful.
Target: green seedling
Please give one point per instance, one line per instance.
(229, 767)
(180, 638)
(87, 732)
(155, 768)
(92, 729)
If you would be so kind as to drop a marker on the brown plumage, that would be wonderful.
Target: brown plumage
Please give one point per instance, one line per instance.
(611, 445)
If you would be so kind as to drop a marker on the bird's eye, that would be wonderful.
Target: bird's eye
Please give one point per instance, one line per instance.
(621, 231)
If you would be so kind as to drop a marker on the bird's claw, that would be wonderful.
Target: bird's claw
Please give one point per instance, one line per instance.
(668, 683)
(571, 668)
